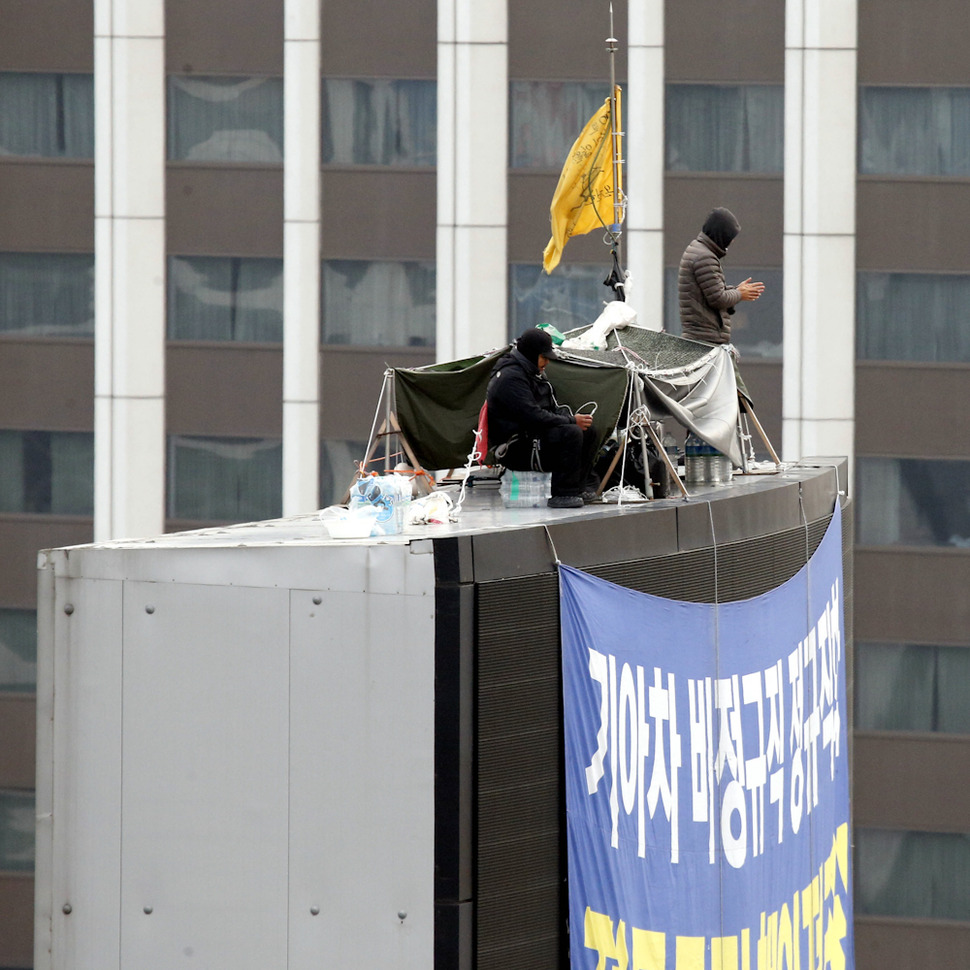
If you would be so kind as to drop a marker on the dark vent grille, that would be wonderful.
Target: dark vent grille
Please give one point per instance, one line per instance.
(519, 798)
(742, 569)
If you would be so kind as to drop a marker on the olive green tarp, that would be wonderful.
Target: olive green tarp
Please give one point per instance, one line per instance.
(437, 406)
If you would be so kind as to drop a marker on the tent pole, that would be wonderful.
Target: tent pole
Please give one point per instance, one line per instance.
(390, 406)
(754, 417)
(665, 458)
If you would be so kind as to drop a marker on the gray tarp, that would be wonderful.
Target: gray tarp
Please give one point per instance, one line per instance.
(696, 384)
(692, 382)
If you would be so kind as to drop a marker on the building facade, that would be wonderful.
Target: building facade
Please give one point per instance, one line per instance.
(204, 273)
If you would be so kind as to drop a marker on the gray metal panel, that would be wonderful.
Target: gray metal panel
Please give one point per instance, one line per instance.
(79, 776)
(627, 536)
(540, 35)
(47, 206)
(757, 200)
(362, 812)
(710, 40)
(271, 554)
(204, 215)
(913, 43)
(920, 397)
(928, 207)
(205, 762)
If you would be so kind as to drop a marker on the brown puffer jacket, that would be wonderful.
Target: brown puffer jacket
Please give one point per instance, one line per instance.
(705, 301)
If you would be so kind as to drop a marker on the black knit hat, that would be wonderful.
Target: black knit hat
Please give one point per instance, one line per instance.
(721, 226)
(536, 343)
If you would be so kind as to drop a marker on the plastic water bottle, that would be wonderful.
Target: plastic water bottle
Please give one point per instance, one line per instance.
(695, 460)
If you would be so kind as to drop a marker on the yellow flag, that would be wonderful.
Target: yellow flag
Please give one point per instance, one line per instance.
(584, 197)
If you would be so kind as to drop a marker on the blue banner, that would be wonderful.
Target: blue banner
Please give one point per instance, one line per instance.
(707, 775)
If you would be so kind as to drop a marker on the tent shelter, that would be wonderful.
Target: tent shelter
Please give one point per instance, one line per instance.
(640, 374)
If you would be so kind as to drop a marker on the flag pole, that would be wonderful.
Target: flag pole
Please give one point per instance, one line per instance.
(611, 47)
(616, 280)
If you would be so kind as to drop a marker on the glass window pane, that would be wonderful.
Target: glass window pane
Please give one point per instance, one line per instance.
(914, 131)
(756, 327)
(953, 688)
(224, 479)
(545, 118)
(48, 115)
(913, 316)
(725, 127)
(912, 502)
(47, 294)
(894, 687)
(47, 472)
(571, 297)
(12, 491)
(338, 464)
(72, 473)
(225, 119)
(18, 650)
(921, 875)
(384, 304)
(912, 687)
(380, 122)
(16, 831)
(225, 298)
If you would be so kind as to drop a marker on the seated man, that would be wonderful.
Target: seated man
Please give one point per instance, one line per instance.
(530, 431)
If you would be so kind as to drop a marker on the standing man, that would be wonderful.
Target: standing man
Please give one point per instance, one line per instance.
(529, 430)
(706, 302)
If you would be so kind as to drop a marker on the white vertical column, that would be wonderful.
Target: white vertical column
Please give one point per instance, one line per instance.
(472, 248)
(129, 241)
(301, 257)
(818, 413)
(643, 123)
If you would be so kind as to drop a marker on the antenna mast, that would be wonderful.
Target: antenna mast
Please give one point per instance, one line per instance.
(611, 47)
(617, 278)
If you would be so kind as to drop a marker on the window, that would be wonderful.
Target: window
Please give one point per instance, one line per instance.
(912, 316)
(47, 115)
(912, 502)
(572, 297)
(48, 472)
(914, 131)
(725, 128)
(912, 874)
(756, 327)
(225, 298)
(382, 304)
(380, 122)
(224, 479)
(912, 687)
(338, 464)
(16, 831)
(18, 650)
(47, 294)
(225, 119)
(546, 117)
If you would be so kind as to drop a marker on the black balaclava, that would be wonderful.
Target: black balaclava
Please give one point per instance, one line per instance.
(535, 343)
(721, 227)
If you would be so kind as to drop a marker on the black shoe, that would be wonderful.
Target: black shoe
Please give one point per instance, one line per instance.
(589, 496)
(565, 502)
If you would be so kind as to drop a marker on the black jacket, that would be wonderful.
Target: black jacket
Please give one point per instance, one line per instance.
(520, 401)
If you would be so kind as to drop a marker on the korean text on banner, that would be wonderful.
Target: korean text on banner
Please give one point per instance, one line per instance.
(707, 785)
